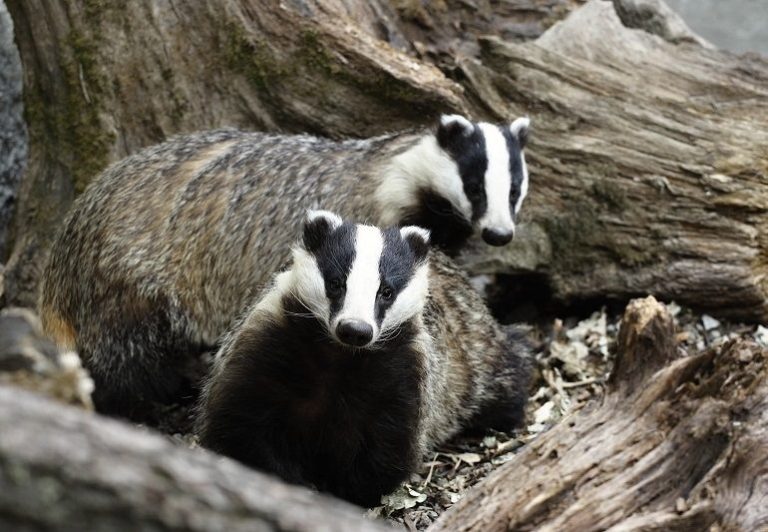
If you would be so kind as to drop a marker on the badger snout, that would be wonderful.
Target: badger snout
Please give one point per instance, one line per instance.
(496, 237)
(354, 332)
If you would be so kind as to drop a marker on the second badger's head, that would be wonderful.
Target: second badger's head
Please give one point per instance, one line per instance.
(464, 178)
(360, 281)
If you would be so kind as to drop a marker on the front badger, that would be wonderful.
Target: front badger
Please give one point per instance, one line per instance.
(360, 357)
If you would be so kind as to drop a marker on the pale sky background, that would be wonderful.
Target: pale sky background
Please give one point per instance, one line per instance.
(736, 25)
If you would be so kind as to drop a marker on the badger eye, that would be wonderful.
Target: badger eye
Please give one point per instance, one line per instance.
(474, 189)
(386, 293)
(335, 286)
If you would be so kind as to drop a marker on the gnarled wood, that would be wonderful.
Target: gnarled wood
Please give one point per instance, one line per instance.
(678, 442)
(65, 469)
(649, 172)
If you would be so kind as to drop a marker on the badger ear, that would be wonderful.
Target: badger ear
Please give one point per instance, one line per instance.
(521, 128)
(417, 239)
(317, 226)
(453, 128)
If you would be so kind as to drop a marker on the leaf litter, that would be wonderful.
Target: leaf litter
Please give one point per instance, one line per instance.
(573, 359)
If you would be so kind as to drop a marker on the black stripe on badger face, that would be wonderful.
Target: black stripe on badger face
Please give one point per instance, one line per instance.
(517, 137)
(465, 143)
(333, 246)
(402, 255)
(373, 280)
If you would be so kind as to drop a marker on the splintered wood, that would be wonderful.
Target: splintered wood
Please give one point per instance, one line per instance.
(678, 442)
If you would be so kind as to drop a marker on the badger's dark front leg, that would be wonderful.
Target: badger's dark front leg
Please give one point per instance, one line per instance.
(504, 408)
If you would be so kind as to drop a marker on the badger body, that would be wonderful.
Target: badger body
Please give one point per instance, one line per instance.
(363, 355)
(166, 248)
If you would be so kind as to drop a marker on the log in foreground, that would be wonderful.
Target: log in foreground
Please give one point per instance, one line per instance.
(66, 469)
(678, 442)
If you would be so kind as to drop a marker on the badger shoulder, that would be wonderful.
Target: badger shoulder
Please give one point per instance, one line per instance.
(480, 369)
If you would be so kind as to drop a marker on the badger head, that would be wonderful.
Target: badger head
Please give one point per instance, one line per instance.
(467, 177)
(360, 281)
(489, 164)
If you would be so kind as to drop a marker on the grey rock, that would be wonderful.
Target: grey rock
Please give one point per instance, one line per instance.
(656, 17)
(735, 25)
(13, 134)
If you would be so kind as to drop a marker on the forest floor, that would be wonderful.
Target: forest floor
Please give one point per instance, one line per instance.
(573, 359)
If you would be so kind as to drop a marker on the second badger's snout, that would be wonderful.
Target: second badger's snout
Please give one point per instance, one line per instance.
(356, 333)
(496, 237)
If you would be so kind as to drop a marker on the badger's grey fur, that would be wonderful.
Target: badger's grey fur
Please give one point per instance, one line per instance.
(167, 247)
(365, 353)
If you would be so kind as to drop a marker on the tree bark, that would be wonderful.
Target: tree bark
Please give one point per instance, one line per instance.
(648, 164)
(648, 158)
(678, 442)
(62, 468)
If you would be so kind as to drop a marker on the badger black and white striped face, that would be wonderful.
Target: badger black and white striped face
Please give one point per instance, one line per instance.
(362, 282)
(489, 177)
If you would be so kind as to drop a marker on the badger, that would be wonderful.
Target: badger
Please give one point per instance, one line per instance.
(166, 248)
(361, 356)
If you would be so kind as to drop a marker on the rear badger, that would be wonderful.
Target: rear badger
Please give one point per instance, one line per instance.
(166, 248)
(360, 357)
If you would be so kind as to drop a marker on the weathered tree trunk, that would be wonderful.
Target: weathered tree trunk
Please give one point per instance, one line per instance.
(62, 468)
(649, 166)
(13, 135)
(678, 442)
(648, 162)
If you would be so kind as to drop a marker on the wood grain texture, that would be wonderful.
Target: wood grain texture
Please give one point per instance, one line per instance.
(648, 164)
(62, 468)
(678, 442)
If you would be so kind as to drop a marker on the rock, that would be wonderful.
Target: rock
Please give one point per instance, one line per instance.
(13, 134)
(709, 322)
(30, 360)
(656, 17)
(761, 335)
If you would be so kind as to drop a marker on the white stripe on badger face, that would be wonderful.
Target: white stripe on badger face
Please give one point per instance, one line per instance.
(363, 280)
(409, 302)
(308, 284)
(425, 166)
(498, 181)
(523, 185)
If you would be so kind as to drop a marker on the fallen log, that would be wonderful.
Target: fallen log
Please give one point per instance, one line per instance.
(648, 165)
(678, 442)
(62, 468)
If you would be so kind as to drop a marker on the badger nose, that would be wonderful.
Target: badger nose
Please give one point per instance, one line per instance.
(354, 332)
(497, 238)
